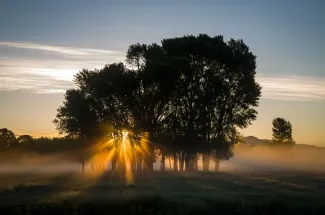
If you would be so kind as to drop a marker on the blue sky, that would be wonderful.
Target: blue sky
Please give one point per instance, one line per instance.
(44, 43)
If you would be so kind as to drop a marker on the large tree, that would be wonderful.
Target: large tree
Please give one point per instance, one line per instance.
(198, 89)
(282, 131)
(216, 92)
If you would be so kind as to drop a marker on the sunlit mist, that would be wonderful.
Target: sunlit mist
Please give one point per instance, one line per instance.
(123, 152)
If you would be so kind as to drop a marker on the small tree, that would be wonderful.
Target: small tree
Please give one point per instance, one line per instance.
(7, 138)
(25, 139)
(282, 131)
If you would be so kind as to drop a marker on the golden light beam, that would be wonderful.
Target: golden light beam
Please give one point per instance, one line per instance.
(123, 151)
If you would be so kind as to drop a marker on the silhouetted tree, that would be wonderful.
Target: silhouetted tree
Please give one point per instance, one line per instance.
(7, 138)
(76, 117)
(216, 92)
(199, 89)
(23, 139)
(282, 131)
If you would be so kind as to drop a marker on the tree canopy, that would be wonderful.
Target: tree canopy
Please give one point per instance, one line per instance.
(197, 90)
(282, 131)
(24, 139)
(7, 138)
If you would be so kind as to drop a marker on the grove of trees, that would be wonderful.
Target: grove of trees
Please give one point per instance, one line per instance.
(189, 95)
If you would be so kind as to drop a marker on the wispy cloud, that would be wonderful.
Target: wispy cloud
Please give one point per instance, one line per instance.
(37, 76)
(293, 88)
(50, 69)
(56, 49)
(34, 84)
(54, 74)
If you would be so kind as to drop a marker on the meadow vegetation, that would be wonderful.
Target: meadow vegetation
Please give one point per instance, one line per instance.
(160, 193)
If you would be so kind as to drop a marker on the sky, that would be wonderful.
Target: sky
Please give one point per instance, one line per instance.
(44, 43)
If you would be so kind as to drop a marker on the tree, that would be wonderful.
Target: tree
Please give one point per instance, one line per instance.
(24, 139)
(282, 131)
(77, 117)
(7, 138)
(199, 89)
(216, 91)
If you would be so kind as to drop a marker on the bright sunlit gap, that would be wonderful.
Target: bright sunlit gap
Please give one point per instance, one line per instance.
(124, 152)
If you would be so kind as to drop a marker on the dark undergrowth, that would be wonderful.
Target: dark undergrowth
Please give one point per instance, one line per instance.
(159, 205)
(162, 193)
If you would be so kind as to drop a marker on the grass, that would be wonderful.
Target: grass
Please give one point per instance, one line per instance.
(164, 193)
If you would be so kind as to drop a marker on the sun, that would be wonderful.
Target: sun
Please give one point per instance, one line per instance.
(122, 149)
(125, 133)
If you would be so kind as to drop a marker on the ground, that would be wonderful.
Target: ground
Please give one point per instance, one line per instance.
(167, 192)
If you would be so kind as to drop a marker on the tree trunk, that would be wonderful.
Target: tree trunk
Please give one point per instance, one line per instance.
(149, 164)
(83, 166)
(192, 162)
(189, 163)
(134, 164)
(175, 162)
(181, 161)
(170, 164)
(113, 164)
(217, 162)
(93, 168)
(206, 162)
(162, 167)
(141, 164)
(148, 157)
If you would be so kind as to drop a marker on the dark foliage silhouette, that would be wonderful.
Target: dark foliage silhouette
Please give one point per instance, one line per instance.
(24, 139)
(7, 138)
(194, 91)
(282, 131)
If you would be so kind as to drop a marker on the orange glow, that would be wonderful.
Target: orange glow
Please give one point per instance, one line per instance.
(123, 151)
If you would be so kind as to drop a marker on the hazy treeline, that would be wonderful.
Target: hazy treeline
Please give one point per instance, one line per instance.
(263, 155)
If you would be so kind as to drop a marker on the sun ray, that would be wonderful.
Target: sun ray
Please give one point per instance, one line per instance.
(125, 151)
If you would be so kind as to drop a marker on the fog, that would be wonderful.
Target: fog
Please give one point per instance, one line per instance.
(246, 158)
(265, 158)
(28, 162)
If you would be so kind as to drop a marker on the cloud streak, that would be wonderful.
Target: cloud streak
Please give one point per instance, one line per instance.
(40, 76)
(54, 74)
(48, 69)
(292, 88)
(34, 85)
(56, 49)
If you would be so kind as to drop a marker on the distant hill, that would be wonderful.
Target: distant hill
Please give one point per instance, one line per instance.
(251, 140)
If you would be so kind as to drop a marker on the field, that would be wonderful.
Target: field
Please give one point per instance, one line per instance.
(286, 192)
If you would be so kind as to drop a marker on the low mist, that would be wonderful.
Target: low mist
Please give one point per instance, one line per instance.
(20, 161)
(266, 158)
(246, 159)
